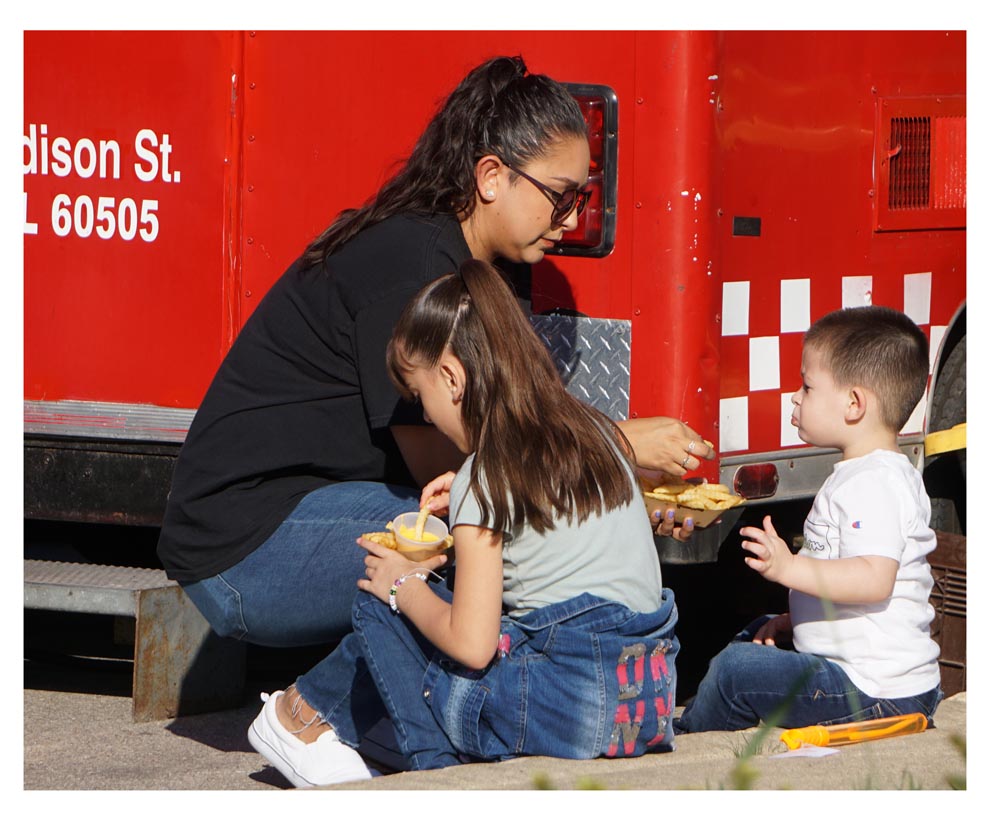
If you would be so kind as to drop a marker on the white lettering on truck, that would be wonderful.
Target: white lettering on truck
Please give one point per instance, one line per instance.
(86, 158)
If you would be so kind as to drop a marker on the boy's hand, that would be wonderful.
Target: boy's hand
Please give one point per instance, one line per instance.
(771, 557)
(382, 566)
(777, 630)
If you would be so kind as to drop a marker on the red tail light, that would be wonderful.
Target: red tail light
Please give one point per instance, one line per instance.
(595, 232)
(756, 481)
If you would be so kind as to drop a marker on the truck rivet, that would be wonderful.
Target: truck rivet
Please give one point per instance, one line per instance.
(247, 294)
(251, 138)
(252, 85)
(250, 240)
(250, 188)
(636, 312)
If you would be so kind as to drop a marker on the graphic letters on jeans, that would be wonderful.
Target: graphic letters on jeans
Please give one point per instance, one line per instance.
(631, 710)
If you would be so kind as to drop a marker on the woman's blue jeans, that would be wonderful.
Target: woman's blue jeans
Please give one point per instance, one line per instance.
(749, 683)
(298, 587)
(579, 679)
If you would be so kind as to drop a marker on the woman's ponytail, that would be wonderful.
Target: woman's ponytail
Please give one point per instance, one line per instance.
(496, 109)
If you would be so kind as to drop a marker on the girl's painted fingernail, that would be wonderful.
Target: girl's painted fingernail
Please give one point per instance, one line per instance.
(670, 515)
(689, 522)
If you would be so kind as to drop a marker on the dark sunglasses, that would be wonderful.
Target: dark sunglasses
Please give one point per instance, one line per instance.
(564, 203)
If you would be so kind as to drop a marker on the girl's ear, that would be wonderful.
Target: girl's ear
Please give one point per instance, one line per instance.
(486, 177)
(452, 373)
(856, 406)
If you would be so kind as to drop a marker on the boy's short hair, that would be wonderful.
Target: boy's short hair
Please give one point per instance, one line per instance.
(878, 348)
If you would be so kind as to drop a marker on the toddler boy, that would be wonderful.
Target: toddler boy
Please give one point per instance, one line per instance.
(859, 613)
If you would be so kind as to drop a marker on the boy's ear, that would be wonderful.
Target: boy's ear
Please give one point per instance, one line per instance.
(856, 406)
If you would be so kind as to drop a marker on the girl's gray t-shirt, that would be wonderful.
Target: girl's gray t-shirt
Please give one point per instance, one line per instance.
(612, 556)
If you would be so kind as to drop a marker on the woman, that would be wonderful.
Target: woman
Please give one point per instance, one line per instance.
(301, 442)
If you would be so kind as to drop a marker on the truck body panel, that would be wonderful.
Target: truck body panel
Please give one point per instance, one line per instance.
(171, 177)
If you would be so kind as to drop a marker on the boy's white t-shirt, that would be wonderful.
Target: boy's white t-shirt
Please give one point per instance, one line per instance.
(873, 505)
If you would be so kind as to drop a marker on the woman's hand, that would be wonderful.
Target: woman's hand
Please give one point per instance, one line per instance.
(382, 566)
(436, 494)
(664, 525)
(777, 630)
(660, 443)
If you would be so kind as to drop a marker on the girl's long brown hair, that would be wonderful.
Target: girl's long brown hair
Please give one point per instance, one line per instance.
(540, 453)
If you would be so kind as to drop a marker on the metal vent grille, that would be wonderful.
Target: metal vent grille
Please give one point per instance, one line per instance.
(910, 162)
(920, 165)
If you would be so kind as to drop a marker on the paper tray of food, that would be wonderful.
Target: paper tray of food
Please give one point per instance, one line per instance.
(702, 502)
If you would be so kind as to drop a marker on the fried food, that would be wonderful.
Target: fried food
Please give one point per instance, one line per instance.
(424, 514)
(698, 497)
(385, 539)
(670, 491)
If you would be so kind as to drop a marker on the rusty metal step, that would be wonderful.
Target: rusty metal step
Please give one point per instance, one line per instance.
(181, 666)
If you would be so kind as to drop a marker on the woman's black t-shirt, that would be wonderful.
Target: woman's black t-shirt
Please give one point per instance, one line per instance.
(302, 398)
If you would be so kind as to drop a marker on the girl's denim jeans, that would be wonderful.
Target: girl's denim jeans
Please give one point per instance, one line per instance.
(579, 679)
(298, 587)
(747, 683)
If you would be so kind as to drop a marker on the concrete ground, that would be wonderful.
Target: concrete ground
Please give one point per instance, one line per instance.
(80, 744)
(86, 740)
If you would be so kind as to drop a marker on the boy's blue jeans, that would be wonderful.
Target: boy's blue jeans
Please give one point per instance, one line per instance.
(579, 679)
(747, 683)
(298, 587)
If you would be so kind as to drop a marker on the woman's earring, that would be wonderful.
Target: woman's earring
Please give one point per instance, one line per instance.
(490, 194)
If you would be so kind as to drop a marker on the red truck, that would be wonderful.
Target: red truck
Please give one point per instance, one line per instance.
(746, 182)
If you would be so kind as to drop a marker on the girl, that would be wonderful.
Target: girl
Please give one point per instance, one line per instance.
(301, 442)
(549, 530)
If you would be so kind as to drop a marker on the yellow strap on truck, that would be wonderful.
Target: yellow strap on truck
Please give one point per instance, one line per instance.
(943, 441)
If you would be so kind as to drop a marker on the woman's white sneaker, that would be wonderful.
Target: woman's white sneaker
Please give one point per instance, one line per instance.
(324, 761)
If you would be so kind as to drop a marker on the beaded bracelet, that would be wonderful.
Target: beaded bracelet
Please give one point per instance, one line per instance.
(416, 574)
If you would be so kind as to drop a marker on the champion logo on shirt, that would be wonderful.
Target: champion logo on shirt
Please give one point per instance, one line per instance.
(857, 524)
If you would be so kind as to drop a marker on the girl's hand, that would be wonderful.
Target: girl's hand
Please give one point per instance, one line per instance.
(436, 494)
(383, 566)
(771, 557)
(777, 630)
(665, 444)
(664, 525)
